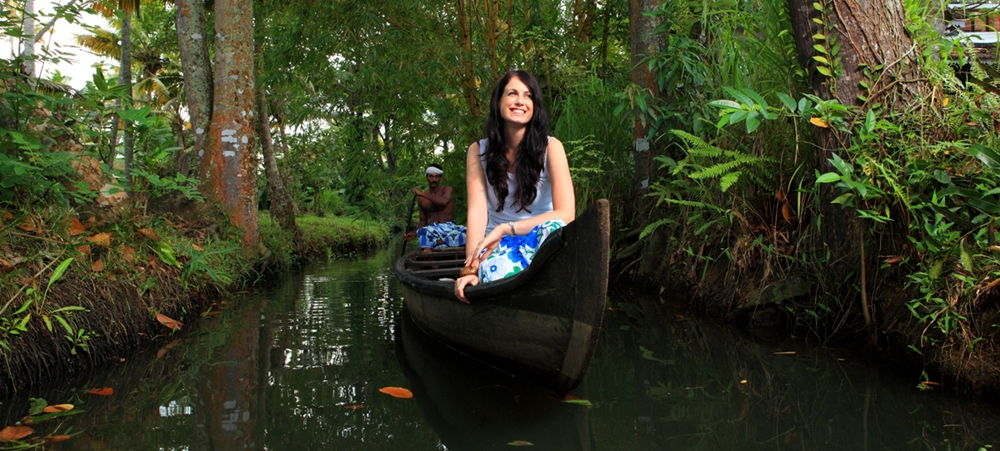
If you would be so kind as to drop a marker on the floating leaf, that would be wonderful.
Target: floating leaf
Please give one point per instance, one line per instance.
(98, 265)
(819, 122)
(76, 227)
(521, 443)
(355, 406)
(167, 321)
(106, 391)
(397, 392)
(11, 433)
(149, 233)
(101, 239)
(58, 408)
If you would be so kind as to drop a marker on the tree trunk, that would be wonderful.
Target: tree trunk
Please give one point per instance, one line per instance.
(467, 74)
(869, 34)
(125, 79)
(28, 41)
(645, 44)
(281, 203)
(229, 167)
(191, 37)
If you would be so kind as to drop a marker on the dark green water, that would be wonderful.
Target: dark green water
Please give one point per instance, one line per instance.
(300, 368)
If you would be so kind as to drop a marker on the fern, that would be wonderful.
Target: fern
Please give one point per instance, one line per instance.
(726, 171)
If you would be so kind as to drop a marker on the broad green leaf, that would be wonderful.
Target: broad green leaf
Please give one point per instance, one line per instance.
(988, 156)
(823, 70)
(821, 49)
(935, 270)
(58, 273)
(966, 257)
(843, 199)
(753, 121)
(166, 253)
(787, 100)
(828, 177)
(724, 103)
(870, 121)
(822, 59)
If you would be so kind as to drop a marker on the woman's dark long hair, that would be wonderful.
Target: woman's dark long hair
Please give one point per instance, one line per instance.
(531, 152)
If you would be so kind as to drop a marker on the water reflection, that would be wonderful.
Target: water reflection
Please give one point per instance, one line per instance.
(300, 368)
(475, 407)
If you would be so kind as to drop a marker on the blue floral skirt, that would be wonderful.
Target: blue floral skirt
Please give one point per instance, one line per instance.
(514, 253)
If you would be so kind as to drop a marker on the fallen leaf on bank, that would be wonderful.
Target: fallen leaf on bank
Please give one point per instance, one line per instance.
(58, 438)
(128, 253)
(162, 352)
(197, 247)
(11, 433)
(397, 392)
(991, 284)
(171, 323)
(149, 233)
(57, 408)
(7, 215)
(106, 391)
(30, 224)
(98, 266)
(101, 239)
(787, 214)
(85, 249)
(819, 122)
(743, 381)
(894, 260)
(995, 248)
(355, 406)
(521, 443)
(76, 227)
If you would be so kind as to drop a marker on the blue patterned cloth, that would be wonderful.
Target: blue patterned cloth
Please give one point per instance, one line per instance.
(451, 234)
(514, 253)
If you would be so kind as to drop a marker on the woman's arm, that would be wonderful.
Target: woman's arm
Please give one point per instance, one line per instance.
(478, 216)
(478, 213)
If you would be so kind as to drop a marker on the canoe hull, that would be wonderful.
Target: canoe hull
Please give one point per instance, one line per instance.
(543, 327)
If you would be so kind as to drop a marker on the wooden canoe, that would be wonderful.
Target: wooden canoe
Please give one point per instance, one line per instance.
(541, 324)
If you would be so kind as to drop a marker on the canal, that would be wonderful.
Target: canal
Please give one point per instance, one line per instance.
(301, 367)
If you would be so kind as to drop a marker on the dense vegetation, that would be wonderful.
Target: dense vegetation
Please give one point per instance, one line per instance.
(794, 167)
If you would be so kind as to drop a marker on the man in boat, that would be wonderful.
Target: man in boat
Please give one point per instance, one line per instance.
(437, 226)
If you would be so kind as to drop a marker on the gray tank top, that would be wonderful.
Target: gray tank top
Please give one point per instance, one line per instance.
(542, 203)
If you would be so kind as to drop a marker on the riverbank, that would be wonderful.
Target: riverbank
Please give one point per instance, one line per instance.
(82, 291)
(774, 296)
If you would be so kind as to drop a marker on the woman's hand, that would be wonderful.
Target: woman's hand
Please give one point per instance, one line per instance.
(485, 247)
(462, 282)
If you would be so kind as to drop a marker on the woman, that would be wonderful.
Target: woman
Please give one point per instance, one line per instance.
(519, 187)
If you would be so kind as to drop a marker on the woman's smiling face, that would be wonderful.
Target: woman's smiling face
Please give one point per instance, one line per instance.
(516, 104)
